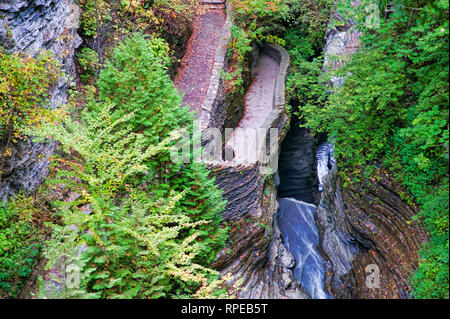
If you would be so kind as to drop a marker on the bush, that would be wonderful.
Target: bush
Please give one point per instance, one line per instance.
(89, 62)
(21, 241)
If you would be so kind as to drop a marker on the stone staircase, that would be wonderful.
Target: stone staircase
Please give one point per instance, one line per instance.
(213, 4)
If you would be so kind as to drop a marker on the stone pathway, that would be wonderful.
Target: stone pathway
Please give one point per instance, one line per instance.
(259, 97)
(193, 78)
(259, 102)
(196, 79)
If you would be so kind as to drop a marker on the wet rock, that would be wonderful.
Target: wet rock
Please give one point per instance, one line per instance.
(337, 239)
(28, 166)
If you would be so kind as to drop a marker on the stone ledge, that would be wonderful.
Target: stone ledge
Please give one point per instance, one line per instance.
(277, 118)
(220, 63)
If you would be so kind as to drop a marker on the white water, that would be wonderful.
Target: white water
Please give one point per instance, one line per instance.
(325, 160)
(301, 237)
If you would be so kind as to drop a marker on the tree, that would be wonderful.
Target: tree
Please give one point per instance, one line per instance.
(153, 226)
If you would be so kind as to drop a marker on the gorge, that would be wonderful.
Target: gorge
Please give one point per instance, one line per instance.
(296, 228)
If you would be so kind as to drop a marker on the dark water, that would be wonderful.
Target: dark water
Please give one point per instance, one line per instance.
(296, 165)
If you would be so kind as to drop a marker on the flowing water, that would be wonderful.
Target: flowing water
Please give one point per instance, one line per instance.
(296, 212)
(301, 237)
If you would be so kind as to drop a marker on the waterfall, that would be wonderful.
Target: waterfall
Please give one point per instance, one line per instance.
(301, 238)
(296, 188)
(325, 161)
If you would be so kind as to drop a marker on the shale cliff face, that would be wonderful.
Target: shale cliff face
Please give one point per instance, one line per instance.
(30, 26)
(367, 233)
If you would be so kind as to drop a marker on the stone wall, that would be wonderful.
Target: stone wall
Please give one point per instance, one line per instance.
(29, 26)
(255, 256)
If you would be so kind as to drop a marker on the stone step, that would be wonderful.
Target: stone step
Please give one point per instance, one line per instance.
(221, 2)
(213, 4)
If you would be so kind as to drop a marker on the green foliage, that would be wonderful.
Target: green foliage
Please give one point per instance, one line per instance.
(366, 110)
(270, 20)
(135, 80)
(20, 243)
(431, 278)
(94, 13)
(114, 19)
(238, 49)
(89, 62)
(135, 243)
(24, 88)
(153, 229)
(305, 80)
(25, 83)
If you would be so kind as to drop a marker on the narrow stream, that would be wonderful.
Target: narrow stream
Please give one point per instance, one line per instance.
(298, 186)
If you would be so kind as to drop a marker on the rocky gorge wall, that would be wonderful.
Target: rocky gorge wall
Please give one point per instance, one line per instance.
(30, 26)
(367, 228)
(366, 233)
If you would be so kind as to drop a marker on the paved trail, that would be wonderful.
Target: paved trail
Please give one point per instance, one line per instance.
(193, 78)
(259, 98)
(258, 105)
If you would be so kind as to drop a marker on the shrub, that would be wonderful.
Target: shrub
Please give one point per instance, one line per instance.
(21, 239)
